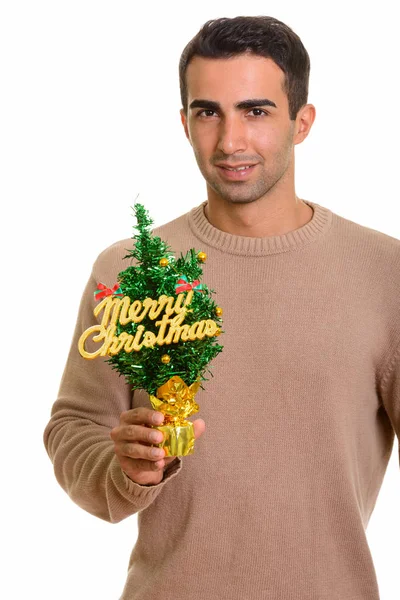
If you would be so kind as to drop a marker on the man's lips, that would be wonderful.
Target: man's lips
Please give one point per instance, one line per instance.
(234, 166)
(236, 175)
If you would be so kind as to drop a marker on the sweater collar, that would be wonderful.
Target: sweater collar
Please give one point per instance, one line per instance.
(260, 246)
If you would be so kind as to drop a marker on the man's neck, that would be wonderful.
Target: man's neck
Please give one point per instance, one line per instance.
(256, 220)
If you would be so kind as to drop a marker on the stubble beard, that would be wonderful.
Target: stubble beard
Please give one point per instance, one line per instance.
(244, 192)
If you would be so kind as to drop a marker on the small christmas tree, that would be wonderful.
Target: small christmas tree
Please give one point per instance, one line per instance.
(157, 273)
(165, 357)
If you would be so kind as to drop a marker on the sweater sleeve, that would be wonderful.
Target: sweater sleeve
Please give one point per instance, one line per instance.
(390, 391)
(77, 437)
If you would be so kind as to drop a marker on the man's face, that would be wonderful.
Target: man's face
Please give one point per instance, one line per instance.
(259, 135)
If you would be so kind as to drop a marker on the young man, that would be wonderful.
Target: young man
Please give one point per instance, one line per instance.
(305, 400)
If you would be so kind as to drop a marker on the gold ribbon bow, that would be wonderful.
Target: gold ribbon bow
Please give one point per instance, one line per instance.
(175, 400)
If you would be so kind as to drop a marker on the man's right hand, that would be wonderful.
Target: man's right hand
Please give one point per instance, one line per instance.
(132, 440)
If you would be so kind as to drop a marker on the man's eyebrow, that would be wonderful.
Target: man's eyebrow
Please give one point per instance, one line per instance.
(251, 103)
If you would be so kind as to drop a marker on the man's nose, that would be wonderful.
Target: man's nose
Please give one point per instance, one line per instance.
(232, 136)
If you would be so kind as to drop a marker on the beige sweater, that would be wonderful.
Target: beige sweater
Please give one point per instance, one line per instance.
(300, 420)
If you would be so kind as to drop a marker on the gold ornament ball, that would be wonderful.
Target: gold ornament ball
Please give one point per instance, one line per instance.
(163, 262)
(202, 256)
(165, 359)
(218, 332)
(218, 311)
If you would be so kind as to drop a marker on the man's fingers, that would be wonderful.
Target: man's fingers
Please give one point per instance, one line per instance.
(140, 451)
(141, 415)
(147, 434)
(138, 433)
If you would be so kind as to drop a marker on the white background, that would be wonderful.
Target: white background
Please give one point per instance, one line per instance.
(90, 119)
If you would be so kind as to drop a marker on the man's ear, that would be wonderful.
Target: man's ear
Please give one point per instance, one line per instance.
(305, 119)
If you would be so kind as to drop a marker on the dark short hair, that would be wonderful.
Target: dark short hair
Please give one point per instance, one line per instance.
(259, 35)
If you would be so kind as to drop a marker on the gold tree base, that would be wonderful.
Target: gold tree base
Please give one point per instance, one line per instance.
(178, 441)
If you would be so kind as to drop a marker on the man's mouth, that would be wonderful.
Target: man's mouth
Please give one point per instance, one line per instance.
(238, 173)
(238, 168)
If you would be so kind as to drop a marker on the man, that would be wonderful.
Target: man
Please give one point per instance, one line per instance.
(305, 401)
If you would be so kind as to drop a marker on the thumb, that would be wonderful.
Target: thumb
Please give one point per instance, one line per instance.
(199, 427)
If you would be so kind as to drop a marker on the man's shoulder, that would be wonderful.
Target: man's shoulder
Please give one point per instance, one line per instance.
(174, 227)
(113, 259)
(366, 238)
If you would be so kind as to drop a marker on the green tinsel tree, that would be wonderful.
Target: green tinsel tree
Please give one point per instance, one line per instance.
(148, 279)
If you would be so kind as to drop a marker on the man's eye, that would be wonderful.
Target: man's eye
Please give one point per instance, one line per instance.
(206, 110)
(260, 110)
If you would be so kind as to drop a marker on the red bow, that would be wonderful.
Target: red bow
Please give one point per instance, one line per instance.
(183, 285)
(103, 291)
